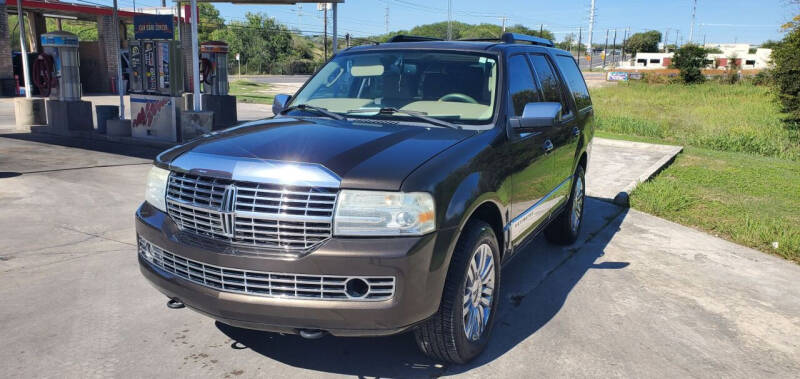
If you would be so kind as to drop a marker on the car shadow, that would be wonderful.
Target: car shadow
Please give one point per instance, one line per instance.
(536, 283)
(120, 148)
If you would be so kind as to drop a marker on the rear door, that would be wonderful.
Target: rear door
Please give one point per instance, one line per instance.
(578, 96)
(532, 167)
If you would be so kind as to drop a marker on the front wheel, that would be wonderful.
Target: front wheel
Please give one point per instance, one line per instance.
(460, 330)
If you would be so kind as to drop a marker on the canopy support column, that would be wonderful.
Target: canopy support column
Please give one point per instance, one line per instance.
(118, 58)
(25, 72)
(198, 104)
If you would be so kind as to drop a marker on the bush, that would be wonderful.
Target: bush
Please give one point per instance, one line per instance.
(786, 74)
(689, 60)
(762, 78)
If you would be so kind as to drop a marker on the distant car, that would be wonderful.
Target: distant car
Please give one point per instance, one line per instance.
(383, 197)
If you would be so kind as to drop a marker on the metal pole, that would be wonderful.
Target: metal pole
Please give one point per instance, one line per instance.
(590, 48)
(118, 58)
(449, 20)
(198, 104)
(325, 37)
(614, 49)
(691, 28)
(605, 50)
(25, 71)
(335, 38)
(580, 36)
(541, 30)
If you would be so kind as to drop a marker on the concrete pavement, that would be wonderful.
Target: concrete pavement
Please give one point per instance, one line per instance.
(638, 296)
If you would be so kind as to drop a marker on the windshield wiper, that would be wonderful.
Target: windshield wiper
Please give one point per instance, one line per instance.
(320, 110)
(418, 115)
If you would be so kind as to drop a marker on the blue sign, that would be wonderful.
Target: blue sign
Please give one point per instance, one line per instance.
(153, 26)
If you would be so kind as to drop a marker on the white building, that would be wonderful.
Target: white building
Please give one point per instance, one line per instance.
(740, 51)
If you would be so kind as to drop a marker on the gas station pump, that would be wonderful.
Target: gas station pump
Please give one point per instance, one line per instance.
(56, 74)
(214, 78)
(156, 79)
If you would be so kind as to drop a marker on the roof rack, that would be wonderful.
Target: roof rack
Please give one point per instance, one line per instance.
(405, 38)
(517, 38)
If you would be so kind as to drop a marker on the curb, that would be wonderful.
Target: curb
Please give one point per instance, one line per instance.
(623, 198)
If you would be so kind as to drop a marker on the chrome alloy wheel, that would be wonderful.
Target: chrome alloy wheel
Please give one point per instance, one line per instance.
(577, 204)
(479, 292)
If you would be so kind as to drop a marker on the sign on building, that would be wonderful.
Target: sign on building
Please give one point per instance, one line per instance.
(153, 26)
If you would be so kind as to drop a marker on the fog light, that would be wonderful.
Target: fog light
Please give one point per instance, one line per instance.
(356, 287)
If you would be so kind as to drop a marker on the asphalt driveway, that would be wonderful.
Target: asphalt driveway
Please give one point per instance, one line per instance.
(637, 297)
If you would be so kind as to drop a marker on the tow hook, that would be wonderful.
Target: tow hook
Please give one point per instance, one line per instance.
(174, 304)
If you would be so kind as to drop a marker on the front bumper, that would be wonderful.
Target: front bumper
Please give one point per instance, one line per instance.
(416, 263)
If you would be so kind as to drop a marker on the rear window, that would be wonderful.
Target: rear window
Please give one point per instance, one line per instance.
(574, 81)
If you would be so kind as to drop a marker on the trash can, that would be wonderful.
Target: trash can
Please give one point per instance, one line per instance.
(105, 113)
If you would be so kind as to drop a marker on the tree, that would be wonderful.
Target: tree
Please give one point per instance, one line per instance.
(260, 41)
(567, 42)
(463, 30)
(645, 42)
(689, 60)
(209, 21)
(786, 74)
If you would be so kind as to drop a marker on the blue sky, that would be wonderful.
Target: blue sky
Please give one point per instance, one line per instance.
(720, 21)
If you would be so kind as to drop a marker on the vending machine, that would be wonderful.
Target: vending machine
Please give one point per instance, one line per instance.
(214, 80)
(156, 79)
(56, 73)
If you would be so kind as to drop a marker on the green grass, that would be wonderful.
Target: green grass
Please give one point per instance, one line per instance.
(741, 118)
(247, 91)
(739, 175)
(751, 200)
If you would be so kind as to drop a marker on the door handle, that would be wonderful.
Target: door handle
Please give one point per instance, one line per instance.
(548, 146)
(576, 132)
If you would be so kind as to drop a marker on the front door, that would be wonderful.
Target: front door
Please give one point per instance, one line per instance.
(565, 134)
(532, 165)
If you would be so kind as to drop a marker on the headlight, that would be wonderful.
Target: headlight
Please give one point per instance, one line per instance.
(156, 191)
(375, 213)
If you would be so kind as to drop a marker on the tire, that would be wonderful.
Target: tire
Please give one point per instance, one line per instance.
(563, 230)
(443, 337)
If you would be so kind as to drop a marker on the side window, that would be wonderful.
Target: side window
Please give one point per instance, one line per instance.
(522, 88)
(574, 81)
(551, 85)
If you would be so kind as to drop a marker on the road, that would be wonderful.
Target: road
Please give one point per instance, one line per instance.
(638, 296)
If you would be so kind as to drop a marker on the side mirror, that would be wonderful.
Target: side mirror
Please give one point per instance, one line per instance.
(279, 104)
(538, 115)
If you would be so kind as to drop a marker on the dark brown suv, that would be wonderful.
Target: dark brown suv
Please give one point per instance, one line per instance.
(383, 197)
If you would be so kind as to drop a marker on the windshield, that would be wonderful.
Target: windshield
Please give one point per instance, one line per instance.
(458, 88)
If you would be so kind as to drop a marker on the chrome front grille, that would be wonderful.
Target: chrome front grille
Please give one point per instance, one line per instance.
(268, 284)
(293, 218)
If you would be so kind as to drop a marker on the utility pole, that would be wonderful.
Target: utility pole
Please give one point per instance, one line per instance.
(691, 28)
(677, 39)
(614, 48)
(590, 48)
(605, 50)
(163, 5)
(299, 16)
(386, 19)
(504, 18)
(704, 39)
(449, 20)
(580, 32)
(325, 30)
(666, 36)
(541, 30)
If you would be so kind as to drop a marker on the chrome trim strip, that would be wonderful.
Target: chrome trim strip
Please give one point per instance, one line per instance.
(538, 203)
(256, 170)
(263, 283)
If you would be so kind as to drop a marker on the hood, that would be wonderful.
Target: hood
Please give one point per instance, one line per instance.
(364, 154)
